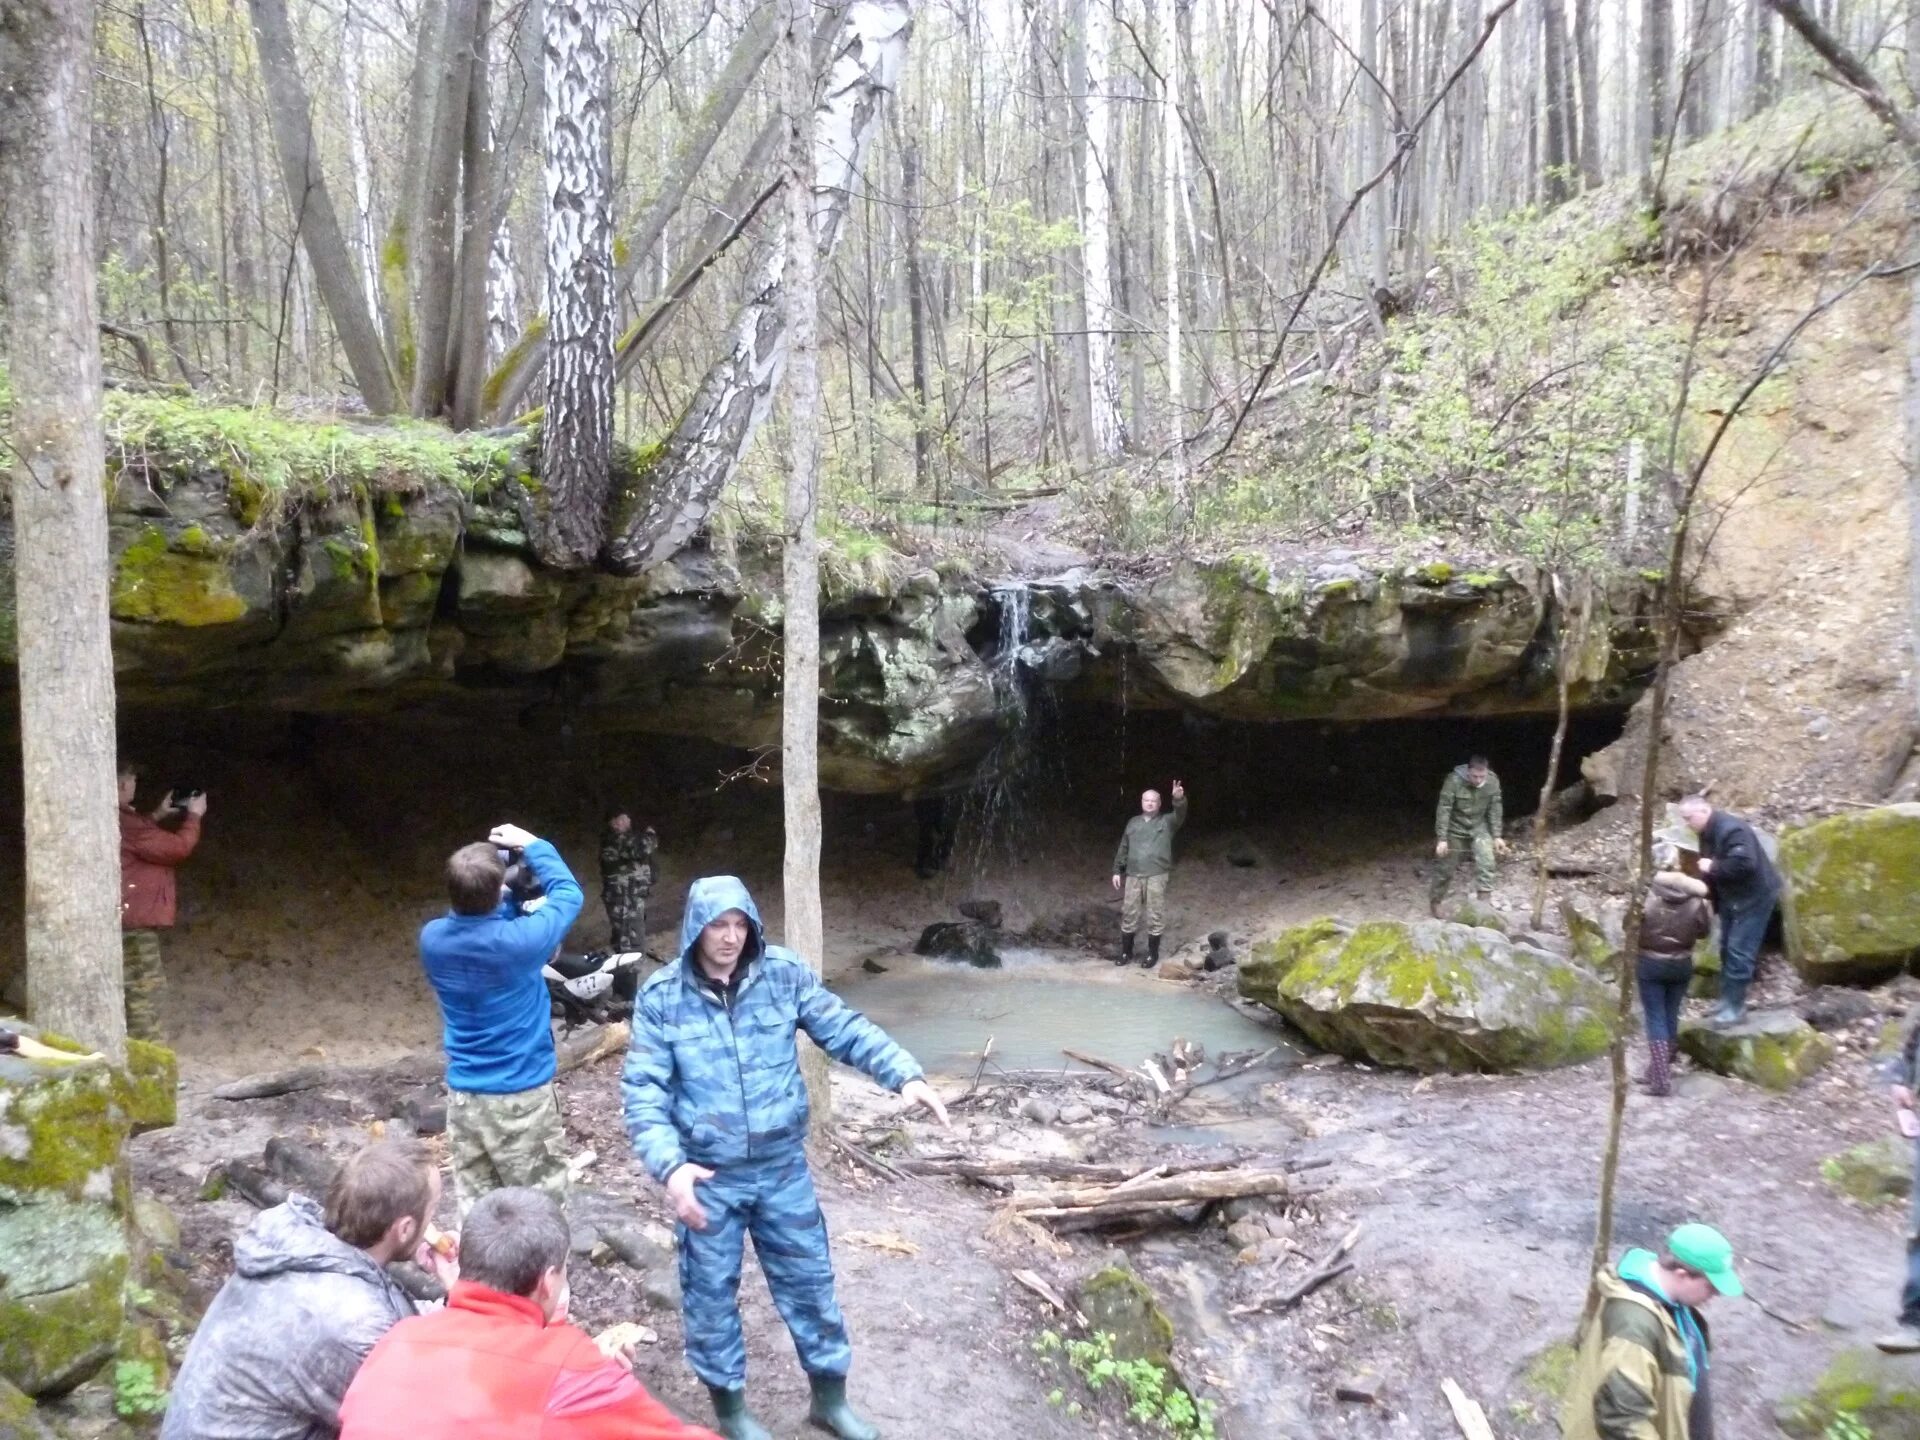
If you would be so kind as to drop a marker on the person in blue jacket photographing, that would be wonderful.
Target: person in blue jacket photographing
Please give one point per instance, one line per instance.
(717, 1111)
(483, 959)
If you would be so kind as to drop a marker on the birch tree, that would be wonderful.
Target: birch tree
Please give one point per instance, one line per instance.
(1109, 429)
(57, 488)
(576, 435)
(1170, 146)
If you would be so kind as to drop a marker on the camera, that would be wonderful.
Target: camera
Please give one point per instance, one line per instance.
(179, 795)
(519, 878)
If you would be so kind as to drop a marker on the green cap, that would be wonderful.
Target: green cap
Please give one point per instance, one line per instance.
(1703, 1248)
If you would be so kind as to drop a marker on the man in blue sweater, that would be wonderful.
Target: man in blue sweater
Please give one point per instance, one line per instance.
(483, 960)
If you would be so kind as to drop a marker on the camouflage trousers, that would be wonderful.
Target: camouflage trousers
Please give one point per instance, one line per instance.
(1144, 897)
(626, 906)
(501, 1140)
(1460, 850)
(143, 983)
(771, 1200)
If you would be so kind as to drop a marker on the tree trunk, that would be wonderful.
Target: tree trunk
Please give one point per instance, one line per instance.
(1560, 146)
(396, 256)
(1572, 650)
(1766, 88)
(911, 200)
(576, 437)
(1109, 430)
(1586, 51)
(805, 928)
(467, 333)
(436, 261)
(60, 552)
(1656, 59)
(312, 206)
(1170, 144)
(733, 398)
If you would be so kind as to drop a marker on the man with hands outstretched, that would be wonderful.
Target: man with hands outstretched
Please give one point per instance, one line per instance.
(1140, 870)
(483, 959)
(717, 1112)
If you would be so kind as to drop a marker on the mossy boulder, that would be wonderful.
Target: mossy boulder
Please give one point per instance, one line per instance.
(1875, 1173)
(1705, 984)
(1476, 916)
(1430, 995)
(19, 1416)
(1120, 1303)
(1596, 932)
(153, 1086)
(1880, 1392)
(64, 1251)
(1774, 1049)
(1852, 901)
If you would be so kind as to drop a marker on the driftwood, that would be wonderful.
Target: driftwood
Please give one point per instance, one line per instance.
(1046, 1167)
(1467, 1413)
(277, 1082)
(303, 1167)
(1182, 1189)
(589, 1046)
(1097, 1063)
(1031, 1281)
(253, 1184)
(1332, 1266)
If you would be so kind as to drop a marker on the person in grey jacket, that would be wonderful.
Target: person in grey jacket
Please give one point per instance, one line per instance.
(308, 1298)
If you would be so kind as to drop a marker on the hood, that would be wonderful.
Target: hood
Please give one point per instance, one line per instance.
(294, 1237)
(1672, 886)
(1636, 1268)
(1461, 771)
(710, 897)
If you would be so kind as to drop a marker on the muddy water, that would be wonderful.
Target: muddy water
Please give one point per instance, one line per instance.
(1038, 1004)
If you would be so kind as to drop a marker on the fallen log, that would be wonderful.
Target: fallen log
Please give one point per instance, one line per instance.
(1045, 1167)
(589, 1046)
(1185, 1189)
(269, 1083)
(253, 1184)
(1099, 1064)
(303, 1167)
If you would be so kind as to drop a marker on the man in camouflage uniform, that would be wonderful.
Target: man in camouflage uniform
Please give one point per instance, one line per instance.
(1140, 869)
(151, 848)
(626, 879)
(483, 959)
(1466, 826)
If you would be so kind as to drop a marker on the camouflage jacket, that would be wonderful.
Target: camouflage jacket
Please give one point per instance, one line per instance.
(713, 1076)
(1467, 809)
(1641, 1373)
(627, 858)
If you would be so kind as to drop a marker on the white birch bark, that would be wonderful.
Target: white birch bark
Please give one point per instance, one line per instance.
(733, 398)
(576, 438)
(353, 71)
(1170, 146)
(1109, 429)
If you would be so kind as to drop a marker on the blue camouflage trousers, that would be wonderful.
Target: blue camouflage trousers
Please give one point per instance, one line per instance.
(773, 1201)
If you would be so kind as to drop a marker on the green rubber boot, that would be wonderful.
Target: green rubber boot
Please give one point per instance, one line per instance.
(731, 1419)
(830, 1411)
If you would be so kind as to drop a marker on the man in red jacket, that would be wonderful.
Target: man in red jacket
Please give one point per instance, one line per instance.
(149, 852)
(501, 1362)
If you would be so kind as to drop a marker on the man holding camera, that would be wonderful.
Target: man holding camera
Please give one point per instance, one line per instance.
(483, 960)
(151, 848)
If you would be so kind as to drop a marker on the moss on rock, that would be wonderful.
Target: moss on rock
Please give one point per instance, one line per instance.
(51, 1342)
(152, 1086)
(157, 584)
(1430, 996)
(1881, 1392)
(1773, 1049)
(1119, 1303)
(1852, 901)
(1875, 1173)
(62, 1127)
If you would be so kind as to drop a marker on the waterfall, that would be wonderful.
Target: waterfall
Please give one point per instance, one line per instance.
(1016, 623)
(997, 811)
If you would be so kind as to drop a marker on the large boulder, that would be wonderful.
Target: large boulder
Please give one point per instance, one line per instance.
(1881, 1393)
(1119, 1303)
(1852, 897)
(64, 1246)
(1875, 1173)
(1430, 995)
(1774, 1049)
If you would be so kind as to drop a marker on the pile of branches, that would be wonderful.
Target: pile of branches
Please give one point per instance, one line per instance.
(1151, 1091)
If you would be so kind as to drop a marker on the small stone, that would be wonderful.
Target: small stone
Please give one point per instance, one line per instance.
(1075, 1114)
(1040, 1110)
(1246, 1234)
(1834, 1007)
(872, 966)
(156, 1224)
(424, 1112)
(987, 912)
(1365, 1388)
(1819, 727)
(661, 1289)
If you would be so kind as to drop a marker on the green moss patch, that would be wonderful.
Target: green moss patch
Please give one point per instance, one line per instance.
(1880, 1392)
(1853, 893)
(1876, 1173)
(1775, 1050)
(1119, 1303)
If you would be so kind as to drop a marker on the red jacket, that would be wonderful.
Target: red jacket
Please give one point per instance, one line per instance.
(148, 853)
(489, 1367)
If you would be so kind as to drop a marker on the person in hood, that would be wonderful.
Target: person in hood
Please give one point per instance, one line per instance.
(483, 959)
(1642, 1368)
(1675, 919)
(717, 1112)
(309, 1298)
(1466, 826)
(152, 847)
(1745, 888)
(501, 1361)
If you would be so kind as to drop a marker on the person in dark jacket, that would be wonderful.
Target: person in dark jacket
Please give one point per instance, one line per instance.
(1906, 1339)
(717, 1111)
(1741, 879)
(1676, 918)
(483, 960)
(152, 847)
(1140, 869)
(309, 1297)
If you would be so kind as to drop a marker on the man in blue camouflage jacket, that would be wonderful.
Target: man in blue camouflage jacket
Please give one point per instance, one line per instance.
(717, 1112)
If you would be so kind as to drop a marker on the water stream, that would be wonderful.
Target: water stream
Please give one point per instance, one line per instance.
(1040, 1003)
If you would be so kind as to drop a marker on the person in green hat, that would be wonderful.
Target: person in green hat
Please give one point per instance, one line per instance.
(1642, 1367)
